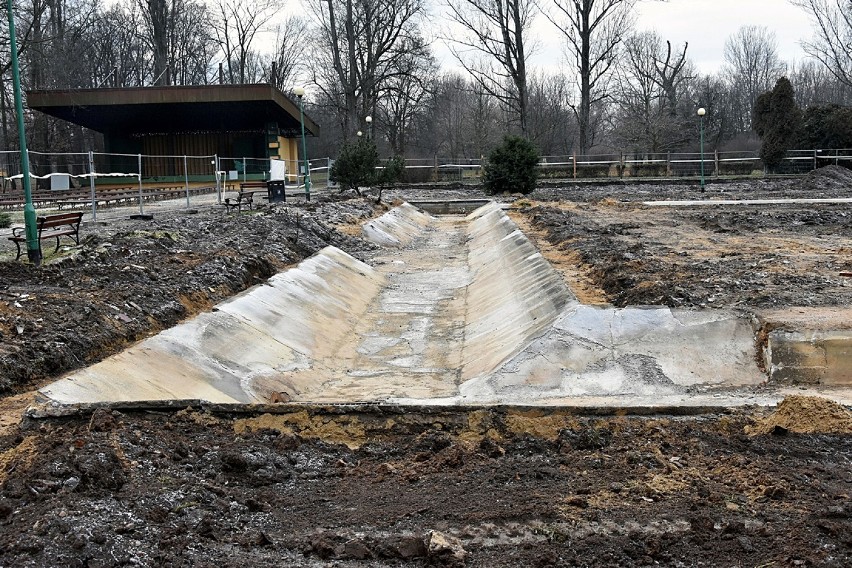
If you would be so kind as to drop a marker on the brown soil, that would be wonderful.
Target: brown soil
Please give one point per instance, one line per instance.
(756, 256)
(345, 487)
(317, 487)
(805, 415)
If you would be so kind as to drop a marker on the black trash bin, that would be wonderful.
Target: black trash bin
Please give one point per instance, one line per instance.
(275, 191)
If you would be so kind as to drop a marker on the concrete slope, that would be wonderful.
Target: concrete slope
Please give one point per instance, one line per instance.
(453, 310)
(409, 341)
(251, 346)
(514, 295)
(398, 227)
(633, 352)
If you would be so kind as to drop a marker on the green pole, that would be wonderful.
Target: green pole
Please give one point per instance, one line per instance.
(701, 112)
(305, 152)
(33, 250)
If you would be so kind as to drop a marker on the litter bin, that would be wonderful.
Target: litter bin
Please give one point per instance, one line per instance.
(275, 191)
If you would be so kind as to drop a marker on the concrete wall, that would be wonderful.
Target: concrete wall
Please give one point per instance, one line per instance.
(270, 339)
(810, 357)
(396, 228)
(514, 296)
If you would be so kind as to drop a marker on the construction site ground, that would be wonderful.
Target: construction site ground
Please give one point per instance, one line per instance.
(375, 486)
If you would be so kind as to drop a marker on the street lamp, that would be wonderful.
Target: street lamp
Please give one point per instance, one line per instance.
(701, 113)
(33, 250)
(369, 120)
(300, 92)
(360, 134)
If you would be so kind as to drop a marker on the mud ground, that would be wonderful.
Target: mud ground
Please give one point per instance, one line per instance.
(342, 487)
(614, 249)
(482, 488)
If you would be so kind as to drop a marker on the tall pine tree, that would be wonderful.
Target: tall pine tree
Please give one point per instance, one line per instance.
(777, 119)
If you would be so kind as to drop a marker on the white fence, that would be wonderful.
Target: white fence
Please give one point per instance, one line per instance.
(626, 165)
(56, 171)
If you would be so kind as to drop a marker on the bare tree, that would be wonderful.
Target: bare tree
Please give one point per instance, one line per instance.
(637, 95)
(157, 14)
(401, 100)
(460, 121)
(817, 86)
(550, 118)
(672, 74)
(117, 56)
(593, 30)
(287, 55)
(832, 43)
(359, 44)
(236, 26)
(752, 66)
(712, 92)
(648, 94)
(450, 116)
(175, 34)
(492, 47)
(56, 40)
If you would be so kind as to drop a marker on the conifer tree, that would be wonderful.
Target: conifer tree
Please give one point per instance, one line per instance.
(777, 119)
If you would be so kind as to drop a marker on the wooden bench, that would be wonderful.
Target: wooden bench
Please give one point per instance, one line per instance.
(243, 198)
(50, 226)
(252, 185)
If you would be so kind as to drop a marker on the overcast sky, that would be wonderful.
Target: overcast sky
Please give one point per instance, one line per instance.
(706, 24)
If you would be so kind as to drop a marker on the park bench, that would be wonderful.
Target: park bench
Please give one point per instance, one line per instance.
(50, 226)
(243, 198)
(252, 185)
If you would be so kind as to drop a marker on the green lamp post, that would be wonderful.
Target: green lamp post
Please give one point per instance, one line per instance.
(300, 92)
(33, 250)
(701, 113)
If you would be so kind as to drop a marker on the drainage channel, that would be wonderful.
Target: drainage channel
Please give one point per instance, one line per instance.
(456, 310)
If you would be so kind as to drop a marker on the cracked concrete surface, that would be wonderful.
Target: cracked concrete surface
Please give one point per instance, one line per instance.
(454, 310)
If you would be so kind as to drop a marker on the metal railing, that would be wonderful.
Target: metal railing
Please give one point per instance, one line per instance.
(93, 178)
(144, 174)
(637, 165)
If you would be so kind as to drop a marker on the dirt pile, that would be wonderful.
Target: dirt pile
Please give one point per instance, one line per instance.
(840, 175)
(805, 415)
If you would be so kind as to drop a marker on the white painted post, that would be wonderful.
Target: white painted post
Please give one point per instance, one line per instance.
(218, 184)
(141, 212)
(92, 185)
(186, 180)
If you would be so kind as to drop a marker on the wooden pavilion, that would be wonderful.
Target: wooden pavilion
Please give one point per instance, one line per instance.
(231, 121)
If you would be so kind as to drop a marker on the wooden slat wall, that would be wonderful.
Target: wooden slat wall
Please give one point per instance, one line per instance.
(180, 145)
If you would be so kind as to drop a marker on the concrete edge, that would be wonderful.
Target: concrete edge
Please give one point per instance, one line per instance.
(50, 410)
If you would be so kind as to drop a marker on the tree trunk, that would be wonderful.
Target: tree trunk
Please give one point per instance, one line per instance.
(585, 112)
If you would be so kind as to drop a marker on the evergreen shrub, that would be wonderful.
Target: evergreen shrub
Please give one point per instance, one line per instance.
(358, 166)
(511, 167)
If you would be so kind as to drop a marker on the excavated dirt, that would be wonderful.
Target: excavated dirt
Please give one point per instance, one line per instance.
(805, 415)
(421, 487)
(319, 487)
(749, 256)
